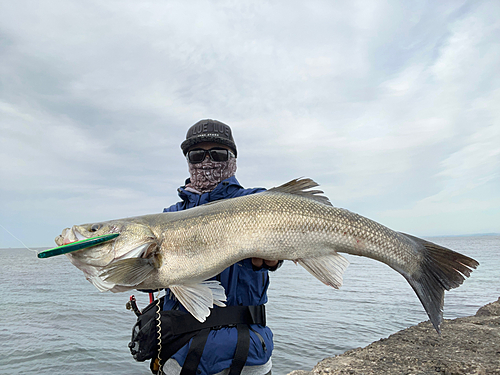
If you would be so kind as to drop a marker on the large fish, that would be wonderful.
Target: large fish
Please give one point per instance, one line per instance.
(181, 250)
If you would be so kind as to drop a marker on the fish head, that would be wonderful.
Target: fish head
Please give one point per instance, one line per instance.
(135, 240)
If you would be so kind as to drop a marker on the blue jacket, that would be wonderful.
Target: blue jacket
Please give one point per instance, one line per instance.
(244, 286)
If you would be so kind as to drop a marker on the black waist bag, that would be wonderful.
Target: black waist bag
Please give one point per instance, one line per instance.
(178, 327)
(144, 342)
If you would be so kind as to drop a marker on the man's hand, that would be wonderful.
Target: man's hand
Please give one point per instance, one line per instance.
(258, 262)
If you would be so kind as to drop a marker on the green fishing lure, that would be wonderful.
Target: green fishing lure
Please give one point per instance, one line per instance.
(78, 245)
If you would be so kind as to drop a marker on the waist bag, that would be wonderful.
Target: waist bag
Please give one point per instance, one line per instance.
(178, 327)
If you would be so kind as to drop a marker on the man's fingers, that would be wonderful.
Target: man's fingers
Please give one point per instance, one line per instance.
(271, 263)
(257, 262)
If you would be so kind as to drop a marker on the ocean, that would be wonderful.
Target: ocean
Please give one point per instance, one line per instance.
(55, 322)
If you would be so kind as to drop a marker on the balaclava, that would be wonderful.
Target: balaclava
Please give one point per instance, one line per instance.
(205, 176)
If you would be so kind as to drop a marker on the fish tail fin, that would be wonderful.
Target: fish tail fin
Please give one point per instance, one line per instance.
(128, 272)
(441, 269)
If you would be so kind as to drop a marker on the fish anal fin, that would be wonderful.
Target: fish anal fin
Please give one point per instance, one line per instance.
(128, 272)
(301, 186)
(198, 299)
(441, 269)
(328, 268)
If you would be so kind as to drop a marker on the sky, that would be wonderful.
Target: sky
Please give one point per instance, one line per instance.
(391, 106)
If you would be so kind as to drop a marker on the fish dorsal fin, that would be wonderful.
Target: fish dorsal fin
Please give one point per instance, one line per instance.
(301, 186)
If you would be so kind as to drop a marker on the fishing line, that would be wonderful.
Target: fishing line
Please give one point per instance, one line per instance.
(18, 239)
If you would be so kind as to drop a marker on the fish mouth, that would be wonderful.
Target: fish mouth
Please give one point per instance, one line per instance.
(70, 235)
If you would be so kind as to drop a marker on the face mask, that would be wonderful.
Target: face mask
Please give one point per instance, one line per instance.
(205, 176)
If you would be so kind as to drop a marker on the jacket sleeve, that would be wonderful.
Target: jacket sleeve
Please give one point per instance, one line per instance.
(238, 192)
(175, 207)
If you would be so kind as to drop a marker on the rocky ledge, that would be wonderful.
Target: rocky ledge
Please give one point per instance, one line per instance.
(469, 345)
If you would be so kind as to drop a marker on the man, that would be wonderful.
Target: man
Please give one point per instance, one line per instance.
(211, 155)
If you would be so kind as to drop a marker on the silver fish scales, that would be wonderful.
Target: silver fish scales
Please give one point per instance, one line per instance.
(181, 250)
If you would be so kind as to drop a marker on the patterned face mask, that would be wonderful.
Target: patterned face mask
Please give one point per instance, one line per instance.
(205, 176)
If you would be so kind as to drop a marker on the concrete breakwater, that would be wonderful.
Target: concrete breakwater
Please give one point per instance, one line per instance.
(469, 345)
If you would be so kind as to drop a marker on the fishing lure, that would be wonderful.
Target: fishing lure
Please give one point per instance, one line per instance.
(78, 245)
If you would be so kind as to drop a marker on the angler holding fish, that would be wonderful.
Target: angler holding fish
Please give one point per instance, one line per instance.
(217, 252)
(211, 154)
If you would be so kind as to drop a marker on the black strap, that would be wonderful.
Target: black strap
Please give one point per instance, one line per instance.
(258, 314)
(239, 316)
(220, 317)
(198, 344)
(195, 352)
(242, 347)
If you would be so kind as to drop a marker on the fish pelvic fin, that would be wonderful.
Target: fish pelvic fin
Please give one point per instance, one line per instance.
(328, 269)
(441, 269)
(128, 272)
(198, 299)
(301, 186)
(100, 284)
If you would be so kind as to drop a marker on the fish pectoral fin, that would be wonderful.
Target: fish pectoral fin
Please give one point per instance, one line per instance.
(137, 251)
(328, 268)
(199, 298)
(128, 272)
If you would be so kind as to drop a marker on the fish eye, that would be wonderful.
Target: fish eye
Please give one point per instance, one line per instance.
(95, 227)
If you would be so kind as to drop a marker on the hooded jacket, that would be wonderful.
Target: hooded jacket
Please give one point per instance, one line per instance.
(244, 286)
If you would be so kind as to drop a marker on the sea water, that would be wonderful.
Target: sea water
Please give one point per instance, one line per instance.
(55, 322)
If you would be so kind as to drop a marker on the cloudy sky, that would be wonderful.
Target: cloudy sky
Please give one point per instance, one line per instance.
(392, 106)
